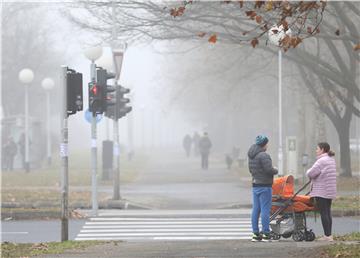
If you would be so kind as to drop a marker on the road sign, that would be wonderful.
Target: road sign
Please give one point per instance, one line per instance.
(88, 116)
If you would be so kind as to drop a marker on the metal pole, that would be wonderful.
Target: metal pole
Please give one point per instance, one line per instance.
(64, 161)
(116, 146)
(48, 149)
(116, 195)
(280, 154)
(107, 129)
(130, 132)
(93, 151)
(27, 164)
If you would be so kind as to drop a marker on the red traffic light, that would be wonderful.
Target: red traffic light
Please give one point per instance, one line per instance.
(94, 89)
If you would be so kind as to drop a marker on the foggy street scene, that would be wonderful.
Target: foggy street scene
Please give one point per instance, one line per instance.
(180, 128)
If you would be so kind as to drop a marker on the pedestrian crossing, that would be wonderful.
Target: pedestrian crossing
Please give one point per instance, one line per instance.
(168, 225)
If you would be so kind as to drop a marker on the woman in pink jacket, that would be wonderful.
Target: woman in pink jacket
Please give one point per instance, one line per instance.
(323, 178)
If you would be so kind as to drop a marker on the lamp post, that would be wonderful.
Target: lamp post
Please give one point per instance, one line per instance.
(276, 34)
(48, 85)
(93, 54)
(26, 76)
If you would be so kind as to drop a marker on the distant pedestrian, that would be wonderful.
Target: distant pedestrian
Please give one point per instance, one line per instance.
(187, 141)
(204, 148)
(323, 179)
(262, 172)
(10, 152)
(195, 140)
(229, 161)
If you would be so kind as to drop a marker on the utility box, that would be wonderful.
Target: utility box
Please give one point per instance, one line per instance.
(107, 160)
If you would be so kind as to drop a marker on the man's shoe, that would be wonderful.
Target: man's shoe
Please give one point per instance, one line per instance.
(265, 237)
(256, 237)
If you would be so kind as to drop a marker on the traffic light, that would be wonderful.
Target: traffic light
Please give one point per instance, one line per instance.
(95, 98)
(123, 109)
(120, 109)
(74, 91)
(107, 100)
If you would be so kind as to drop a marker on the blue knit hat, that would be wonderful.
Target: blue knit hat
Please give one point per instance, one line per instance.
(261, 140)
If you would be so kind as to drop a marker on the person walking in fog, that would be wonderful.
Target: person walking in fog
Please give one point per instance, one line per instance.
(187, 144)
(262, 172)
(196, 139)
(204, 148)
(10, 152)
(323, 185)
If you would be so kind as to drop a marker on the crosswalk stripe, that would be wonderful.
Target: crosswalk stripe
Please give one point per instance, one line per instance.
(161, 226)
(166, 230)
(164, 238)
(169, 219)
(167, 223)
(166, 234)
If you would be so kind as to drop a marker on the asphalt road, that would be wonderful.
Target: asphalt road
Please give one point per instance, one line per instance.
(47, 231)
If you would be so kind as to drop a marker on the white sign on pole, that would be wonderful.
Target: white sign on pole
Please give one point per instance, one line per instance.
(118, 56)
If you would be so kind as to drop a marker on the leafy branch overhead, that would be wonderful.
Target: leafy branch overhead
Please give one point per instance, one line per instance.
(302, 18)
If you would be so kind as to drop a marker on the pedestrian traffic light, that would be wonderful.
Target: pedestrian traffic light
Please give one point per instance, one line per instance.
(94, 98)
(74, 91)
(107, 99)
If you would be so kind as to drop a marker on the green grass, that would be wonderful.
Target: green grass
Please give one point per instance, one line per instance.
(27, 250)
(49, 198)
(355, 236)
(79, 173)
(346, 203)
(340, 251)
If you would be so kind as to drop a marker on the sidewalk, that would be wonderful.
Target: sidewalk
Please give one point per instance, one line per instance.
(181, 249)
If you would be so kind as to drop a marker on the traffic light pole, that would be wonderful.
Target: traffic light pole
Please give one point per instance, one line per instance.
(64, 160)
(117, 160)
(93, 151)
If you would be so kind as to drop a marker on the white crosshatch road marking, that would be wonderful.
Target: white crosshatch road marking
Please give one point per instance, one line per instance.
(168, 225)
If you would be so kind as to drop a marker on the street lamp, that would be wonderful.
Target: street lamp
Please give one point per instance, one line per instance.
(26, 76)
(93, 54)
(48, 85)
(276, 34)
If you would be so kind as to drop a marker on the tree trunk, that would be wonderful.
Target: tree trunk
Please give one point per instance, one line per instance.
(345, 159)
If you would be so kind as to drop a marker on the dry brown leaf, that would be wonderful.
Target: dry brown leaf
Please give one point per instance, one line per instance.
(357, 47)
(269, 5)
(213, 39)
(258, 19)
(241, 2)
(254, 42)
(201, 34)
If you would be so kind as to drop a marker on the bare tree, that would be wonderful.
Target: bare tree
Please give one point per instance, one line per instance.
(332, 26)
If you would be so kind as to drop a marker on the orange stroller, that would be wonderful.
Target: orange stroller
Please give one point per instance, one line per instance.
(288, 211)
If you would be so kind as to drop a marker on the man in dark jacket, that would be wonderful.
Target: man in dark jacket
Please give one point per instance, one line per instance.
(262, 171)
(204, 147)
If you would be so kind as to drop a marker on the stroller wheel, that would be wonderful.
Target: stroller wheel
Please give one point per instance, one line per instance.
(287, 235)
(298, 236)
(309, 236)
(274, 235)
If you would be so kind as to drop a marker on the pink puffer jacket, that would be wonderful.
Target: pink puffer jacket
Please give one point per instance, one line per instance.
(323, 177)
